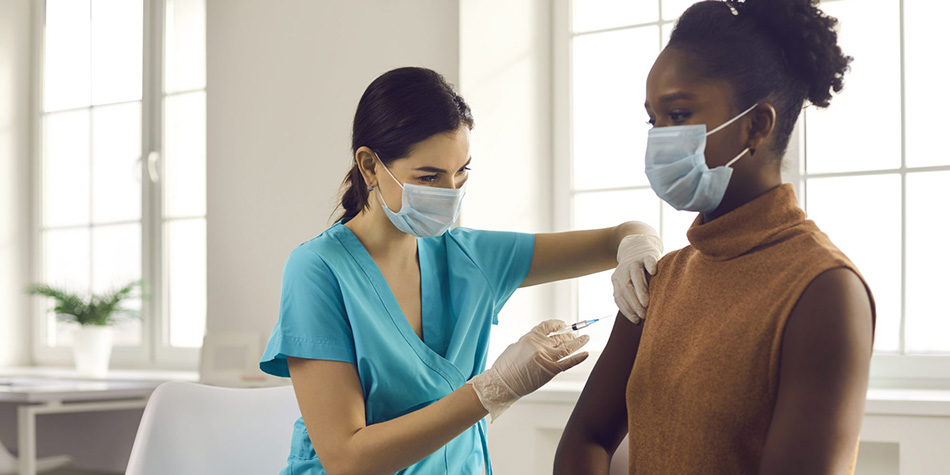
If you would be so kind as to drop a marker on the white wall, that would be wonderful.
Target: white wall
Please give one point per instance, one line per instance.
(284, 79)
(15, 106)
(505, 69)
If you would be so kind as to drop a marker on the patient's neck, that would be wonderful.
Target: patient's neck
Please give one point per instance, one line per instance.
(741, 192)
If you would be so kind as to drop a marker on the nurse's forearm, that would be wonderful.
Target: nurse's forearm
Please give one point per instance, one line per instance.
(390, 446)
(627, 229)
(570, 254)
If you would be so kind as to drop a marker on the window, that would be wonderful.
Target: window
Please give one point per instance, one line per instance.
(121, 169)
(893, 181)
(873, 158)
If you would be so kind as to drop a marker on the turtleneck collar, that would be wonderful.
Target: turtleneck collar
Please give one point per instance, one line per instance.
(751, 225)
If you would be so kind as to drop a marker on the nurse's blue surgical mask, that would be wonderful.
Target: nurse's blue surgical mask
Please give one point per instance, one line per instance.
(426, 211)
(676, 166)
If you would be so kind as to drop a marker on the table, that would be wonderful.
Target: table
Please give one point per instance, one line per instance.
(56, 391)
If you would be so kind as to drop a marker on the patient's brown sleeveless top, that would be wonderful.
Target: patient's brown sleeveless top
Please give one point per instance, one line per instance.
(703, 388)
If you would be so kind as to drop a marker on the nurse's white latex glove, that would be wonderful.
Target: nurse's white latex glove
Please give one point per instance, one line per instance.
(526, 365)
(637, 255)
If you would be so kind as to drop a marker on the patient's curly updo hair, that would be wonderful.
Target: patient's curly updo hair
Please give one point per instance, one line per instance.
(776, 51)
(399, 109)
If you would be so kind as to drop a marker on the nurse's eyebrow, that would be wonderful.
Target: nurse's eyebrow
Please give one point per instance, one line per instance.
(439, 170)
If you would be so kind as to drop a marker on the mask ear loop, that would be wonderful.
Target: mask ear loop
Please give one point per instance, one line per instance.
(726, 124)
(378, 192)
(737, 157)
(387, 170)
(717, 129)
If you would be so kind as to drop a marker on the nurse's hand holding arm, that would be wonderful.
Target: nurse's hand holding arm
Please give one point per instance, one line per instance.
(526, 365)
(632, 247)
(637, 256)
(335, 413)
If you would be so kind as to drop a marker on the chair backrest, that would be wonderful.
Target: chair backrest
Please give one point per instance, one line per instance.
(190, 428)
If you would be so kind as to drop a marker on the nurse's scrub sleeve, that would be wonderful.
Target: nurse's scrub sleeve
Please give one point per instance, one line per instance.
(503, 257)
(312, 323)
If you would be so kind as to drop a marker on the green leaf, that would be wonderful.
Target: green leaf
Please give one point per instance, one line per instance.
(101, 309)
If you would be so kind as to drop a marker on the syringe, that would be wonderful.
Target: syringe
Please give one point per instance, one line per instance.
(579, 325)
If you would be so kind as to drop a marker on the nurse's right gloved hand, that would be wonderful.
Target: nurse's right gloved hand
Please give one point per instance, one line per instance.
(526, 365)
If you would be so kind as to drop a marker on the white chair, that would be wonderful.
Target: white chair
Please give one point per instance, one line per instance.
(190, 428)
(619, 465)
(9, 465)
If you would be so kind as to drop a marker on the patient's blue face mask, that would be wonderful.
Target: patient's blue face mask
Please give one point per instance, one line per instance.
(676, 166)
(426, 211)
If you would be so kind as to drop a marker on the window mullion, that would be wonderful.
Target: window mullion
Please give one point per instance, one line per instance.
(902, 345)
(92, 163)
(40, 327)
(152, 242)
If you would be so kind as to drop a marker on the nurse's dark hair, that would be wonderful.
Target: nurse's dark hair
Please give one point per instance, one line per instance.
(398, 110)
(777, 51)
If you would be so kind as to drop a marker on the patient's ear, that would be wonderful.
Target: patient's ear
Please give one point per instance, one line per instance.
(763, 125)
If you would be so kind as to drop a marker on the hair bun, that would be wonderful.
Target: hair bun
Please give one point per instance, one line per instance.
(808, 39)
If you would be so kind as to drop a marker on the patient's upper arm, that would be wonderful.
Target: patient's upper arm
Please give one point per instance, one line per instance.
(599, 420)
(826, 351)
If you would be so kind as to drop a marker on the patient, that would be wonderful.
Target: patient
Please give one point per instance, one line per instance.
(754, 354)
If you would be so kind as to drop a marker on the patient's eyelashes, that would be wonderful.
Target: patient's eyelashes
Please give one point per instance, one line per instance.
(676, 117)
(680, 116)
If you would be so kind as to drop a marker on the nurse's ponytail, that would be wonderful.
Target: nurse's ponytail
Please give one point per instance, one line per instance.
(779, 51)
(398, 110)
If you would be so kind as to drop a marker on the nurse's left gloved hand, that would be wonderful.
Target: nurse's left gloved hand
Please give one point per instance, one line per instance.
(526, 365)
(636, 256)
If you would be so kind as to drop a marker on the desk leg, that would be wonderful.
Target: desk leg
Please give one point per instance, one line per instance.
(26, 422)
(26, 430)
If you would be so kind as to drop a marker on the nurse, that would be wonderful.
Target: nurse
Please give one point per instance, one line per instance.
(385, 317)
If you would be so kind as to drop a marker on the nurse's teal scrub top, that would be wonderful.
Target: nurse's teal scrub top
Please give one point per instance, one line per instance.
(336, 305)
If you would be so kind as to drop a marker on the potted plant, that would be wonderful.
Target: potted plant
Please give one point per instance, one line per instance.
(92, 343)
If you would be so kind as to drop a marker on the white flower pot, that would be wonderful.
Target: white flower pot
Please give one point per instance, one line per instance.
(92, 347)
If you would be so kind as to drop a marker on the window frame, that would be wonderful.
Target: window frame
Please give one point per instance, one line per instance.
(888, 369)
(155, 351)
